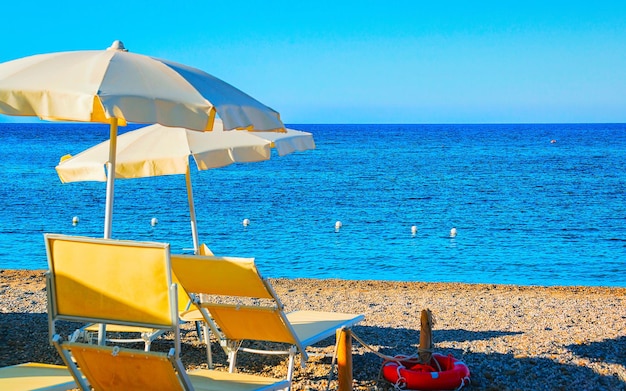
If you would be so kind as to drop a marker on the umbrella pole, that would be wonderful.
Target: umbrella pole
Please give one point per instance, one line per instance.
(192, 212)
(108, 210)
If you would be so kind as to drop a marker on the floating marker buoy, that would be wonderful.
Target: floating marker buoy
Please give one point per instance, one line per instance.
(338, 225)
(154, 221)
(453, 232)
(414, 229)
(75, 220)
(246, 222)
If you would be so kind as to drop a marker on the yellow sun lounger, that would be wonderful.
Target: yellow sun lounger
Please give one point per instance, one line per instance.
(254, 311)
(36, 377)
(125, 283)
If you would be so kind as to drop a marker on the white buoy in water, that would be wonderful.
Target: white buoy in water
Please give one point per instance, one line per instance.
(414, 229)
(338, 225)
(246, 222)
(453, 232)
(154, 221)
(75, 220)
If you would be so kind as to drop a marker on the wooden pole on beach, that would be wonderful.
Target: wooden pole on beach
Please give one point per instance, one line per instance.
(426, 337)
(344, 359)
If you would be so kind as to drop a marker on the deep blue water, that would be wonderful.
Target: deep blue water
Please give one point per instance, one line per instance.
(527, 211)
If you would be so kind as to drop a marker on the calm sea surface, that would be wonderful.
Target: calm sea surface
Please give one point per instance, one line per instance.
(527, 210)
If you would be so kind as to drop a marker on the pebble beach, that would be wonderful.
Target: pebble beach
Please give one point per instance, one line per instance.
(511, 337)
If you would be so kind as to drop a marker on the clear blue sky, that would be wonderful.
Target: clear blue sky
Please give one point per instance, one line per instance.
(366, 61)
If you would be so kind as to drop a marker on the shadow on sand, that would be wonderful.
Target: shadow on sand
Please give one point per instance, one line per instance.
(24, 337)
(610, 350)
(497, 371)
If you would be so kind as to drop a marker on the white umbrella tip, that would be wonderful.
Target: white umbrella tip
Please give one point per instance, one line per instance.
(117, 45)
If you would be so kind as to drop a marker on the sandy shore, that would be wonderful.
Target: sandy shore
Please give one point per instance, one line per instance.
(511, 337)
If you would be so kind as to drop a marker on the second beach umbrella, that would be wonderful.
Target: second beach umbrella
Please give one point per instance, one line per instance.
(115, 87)
(158, 150)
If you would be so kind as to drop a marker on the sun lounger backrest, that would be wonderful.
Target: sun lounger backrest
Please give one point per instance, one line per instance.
(226, 276)
(110, 281)
(132, 369)
(239, 278)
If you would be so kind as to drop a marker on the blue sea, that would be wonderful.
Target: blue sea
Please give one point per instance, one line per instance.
(533, 204)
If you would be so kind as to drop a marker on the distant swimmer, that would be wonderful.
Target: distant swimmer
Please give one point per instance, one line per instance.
(553, 141)
(453, 233)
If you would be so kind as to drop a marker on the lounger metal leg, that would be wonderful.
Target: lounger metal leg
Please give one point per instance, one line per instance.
(206, 333)
(187, 386)
(199, 330)
(292, 362)
(232, 358)
(71, 365)
(102, 334)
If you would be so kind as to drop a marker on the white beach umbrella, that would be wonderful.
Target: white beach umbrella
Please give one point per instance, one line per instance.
(116, 87)
(158, 150)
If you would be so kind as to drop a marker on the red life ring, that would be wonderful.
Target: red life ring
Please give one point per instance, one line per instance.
(406, 374)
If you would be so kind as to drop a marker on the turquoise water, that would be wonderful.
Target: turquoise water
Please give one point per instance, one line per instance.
(527, 210)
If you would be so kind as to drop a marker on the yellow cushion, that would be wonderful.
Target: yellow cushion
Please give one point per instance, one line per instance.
(36, 376)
